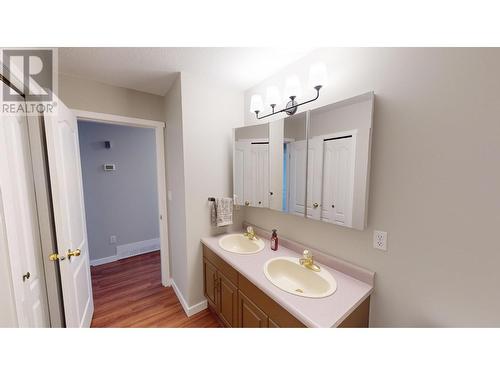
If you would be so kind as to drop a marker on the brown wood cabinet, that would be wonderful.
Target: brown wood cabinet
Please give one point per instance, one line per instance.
(239, 303)
(249, 314)
(228, 301)
(210, 277)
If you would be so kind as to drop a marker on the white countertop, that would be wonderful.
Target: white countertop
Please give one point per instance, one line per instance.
(313, 312)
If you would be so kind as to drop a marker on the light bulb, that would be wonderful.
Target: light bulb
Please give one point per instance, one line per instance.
(317, 75)
(273, 96)
(256, 104)
(292, 87)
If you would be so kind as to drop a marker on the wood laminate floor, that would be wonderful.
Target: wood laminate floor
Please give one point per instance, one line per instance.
(129, 293)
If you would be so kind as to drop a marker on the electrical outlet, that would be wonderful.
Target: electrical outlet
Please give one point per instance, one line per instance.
(112, 239)
(380, 240)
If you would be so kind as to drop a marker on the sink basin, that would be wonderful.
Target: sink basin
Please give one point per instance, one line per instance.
(289, 275)
(238, 243)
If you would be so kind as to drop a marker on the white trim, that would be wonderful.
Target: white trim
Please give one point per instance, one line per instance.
(160, 174)
(250, 140)
(98, 262)
(136, 248)
(189, 310)
(115, 119)
(129, 250)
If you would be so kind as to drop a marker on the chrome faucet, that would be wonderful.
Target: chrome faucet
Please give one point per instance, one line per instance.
(250, 234)
(308, 261)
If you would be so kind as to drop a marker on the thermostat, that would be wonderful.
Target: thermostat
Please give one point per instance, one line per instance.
(109, 167)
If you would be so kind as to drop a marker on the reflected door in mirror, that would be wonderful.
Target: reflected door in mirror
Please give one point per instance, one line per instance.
(338, 161)
(338, 180)
(259, 170)
(251, 166)
(297, 179)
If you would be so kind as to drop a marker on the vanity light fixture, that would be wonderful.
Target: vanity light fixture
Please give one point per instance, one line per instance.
(317, 79)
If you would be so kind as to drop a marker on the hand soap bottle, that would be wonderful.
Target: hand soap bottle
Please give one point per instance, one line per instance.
(274, 240)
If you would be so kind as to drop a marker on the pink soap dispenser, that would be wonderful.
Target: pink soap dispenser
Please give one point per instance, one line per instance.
(274, 240)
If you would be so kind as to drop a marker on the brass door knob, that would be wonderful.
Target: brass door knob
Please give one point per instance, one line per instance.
(54, 256)
(74, 253)
(315, 205)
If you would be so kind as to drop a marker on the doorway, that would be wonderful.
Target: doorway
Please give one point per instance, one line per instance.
(123, 167)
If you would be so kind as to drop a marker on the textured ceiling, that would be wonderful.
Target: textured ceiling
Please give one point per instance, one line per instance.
(153, 70)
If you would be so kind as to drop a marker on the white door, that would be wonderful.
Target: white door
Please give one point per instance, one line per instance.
(69, 214)
(276, 150)
(297, 180)
(338, 180)
(259, 155)
(315, 178)
(240, 171)
(19, 221)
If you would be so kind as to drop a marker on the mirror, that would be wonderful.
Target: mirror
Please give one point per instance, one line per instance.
(338, 161)
(288, 145)
(314, 164)
(251, 166)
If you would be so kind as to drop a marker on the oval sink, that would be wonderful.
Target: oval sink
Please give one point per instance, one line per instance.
(238, 243)
(289, 275)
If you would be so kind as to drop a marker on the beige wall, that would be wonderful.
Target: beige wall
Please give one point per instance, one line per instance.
(209, 113)
(79, 93)
(200, 116)
(176, 186)
(435, 182)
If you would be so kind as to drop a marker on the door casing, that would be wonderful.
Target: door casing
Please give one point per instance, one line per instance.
(159, 128)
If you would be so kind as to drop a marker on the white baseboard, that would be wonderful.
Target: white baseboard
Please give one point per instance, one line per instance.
(129, 250)
(189, 310)
(98, 262)
(136, 248)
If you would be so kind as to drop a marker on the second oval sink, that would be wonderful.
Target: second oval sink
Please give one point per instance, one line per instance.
(238, 243)
(289, 275)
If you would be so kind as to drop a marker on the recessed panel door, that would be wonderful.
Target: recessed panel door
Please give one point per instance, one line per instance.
(69, 214)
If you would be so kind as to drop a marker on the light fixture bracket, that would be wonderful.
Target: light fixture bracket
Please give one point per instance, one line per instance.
(291, 107)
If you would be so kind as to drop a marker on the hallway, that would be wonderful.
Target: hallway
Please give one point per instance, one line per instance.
(129, 293)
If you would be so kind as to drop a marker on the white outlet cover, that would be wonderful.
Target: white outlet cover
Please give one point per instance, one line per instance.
(112, 239)
(380, 240)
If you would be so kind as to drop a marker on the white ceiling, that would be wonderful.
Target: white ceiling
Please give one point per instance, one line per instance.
(153, 70)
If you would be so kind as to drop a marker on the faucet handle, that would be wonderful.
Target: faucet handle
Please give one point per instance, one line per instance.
(250, 229)
(307, 254)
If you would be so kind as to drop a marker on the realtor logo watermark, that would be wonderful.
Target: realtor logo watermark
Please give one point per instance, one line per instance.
(33, 71)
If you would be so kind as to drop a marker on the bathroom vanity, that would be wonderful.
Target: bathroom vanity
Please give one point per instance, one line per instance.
(240, 294)
(316, 165)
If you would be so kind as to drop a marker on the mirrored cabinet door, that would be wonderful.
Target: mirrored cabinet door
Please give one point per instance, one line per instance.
(288, 169)
(338, 161)
(313, 164)
(251, 166)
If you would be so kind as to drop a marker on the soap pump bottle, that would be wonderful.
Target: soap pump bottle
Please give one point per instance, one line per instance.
(274, 240)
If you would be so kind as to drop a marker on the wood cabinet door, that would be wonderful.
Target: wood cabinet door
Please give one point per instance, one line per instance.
(210, 275)
(273, 324)
(249, 315)
(227, 301)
